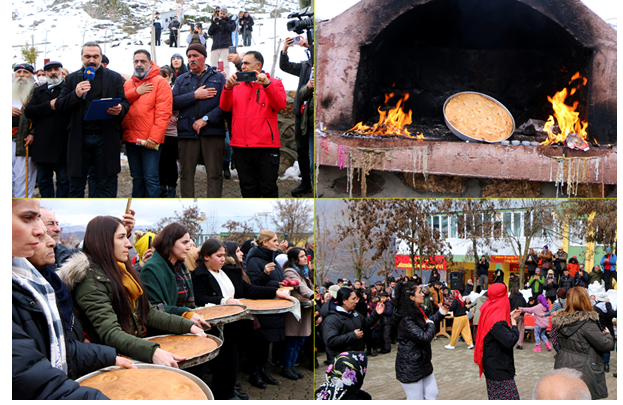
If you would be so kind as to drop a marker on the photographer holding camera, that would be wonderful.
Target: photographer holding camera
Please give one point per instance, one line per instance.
(197, 36)
(255, 99)
(304, 71)
(220, 30)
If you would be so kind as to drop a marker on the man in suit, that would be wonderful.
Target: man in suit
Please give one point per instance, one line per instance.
(94, 142)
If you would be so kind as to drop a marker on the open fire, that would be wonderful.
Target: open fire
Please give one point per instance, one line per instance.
(391, 122)
(566, 117)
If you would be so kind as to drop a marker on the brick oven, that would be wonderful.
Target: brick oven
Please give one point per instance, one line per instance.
(517, 51)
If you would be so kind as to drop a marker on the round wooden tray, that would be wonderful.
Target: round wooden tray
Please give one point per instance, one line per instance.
(198, 359)
(222, 314)
(270, 306)
(204, 387)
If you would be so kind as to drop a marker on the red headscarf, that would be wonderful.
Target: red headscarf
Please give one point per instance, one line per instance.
(456, 294)
(496, 308)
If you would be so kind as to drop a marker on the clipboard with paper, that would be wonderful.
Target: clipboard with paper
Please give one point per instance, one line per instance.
(97, 109)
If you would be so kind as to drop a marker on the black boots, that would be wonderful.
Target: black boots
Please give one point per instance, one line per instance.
(289, 374)
(298, 374)
(226, 172)
(303, 188)
(267, 378)
(606, 367)
(256, 380)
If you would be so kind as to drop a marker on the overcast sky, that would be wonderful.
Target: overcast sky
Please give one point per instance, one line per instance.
(325, 9)
(148, 211)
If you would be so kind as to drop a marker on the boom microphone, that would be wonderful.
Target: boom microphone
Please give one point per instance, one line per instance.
(89, 74)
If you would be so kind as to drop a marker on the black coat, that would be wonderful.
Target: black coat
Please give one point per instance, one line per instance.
(605, 317)
(468, 289)
(581, 281)
(246, 21)
(32, 374)
(303, 71)
(338, 331)
(221, 33)
(50, 140)
(433, 278)
(567, 282)
(208, 291)
(532, 265)
(272, 326)
(497, 355)
(413, 360)
(483, 268)
(69, 103)
(517, 301)
(550, 289)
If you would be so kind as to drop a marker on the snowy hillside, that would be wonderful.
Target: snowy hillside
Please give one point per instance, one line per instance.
(67, 26)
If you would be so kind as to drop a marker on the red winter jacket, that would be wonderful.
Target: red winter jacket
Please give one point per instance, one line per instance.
(149, 113)
(254, 113)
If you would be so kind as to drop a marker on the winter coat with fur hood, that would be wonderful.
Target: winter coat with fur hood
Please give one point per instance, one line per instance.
(92, 294)
(582, 345)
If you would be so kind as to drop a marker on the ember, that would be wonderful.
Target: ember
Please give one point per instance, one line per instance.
(567, 118)
(391, 122)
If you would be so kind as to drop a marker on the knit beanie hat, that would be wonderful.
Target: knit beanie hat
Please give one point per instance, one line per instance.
(197, 47)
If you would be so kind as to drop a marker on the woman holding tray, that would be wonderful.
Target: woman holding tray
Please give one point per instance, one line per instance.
(111, 299)
(215, 284)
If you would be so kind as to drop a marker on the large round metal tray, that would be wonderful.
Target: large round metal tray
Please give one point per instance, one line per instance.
(307, 304)
(193, 361)
(204, 387)
(249, 302)
(467, 137)
(221, 320)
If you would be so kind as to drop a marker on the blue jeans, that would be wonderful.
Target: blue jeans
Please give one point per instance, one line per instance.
(227, 154)
(539, 334)
(144, 170)
(234, 37)
(93, 154)
(45, 178)
(291, 350)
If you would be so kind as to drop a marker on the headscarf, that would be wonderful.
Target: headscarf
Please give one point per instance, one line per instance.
(345, 374)
(142, 245)
(543, 301)
(457, 295)
(496, 308)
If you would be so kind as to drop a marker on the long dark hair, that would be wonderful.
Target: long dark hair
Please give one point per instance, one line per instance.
(293, 257)
(208, 248)
(164, 241)
(406, 306)
(230, 249)
(342, 295)
(99, 248)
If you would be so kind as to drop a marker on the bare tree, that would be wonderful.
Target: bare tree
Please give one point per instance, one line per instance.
(211, 223)
(190, 217)
(326, 250)
(538, 218)
(477, 220)
(294, 218)
(409, 220)
(592, 220)
(238, 232)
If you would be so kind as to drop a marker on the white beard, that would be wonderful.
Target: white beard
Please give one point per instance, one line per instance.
(54, 81)
(22, 88)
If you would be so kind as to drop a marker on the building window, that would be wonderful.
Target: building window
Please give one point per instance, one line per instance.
(444, 226)
(517, 224)
(454, 226)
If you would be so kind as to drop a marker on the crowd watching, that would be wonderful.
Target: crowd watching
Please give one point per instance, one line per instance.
(100, 300)
(491, 319)
(67, 138)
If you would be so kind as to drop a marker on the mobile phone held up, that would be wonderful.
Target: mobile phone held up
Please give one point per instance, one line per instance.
(246, 76)
(297, 40)
(232, 49)
(220, 65)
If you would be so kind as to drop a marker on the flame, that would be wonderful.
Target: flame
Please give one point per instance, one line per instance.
(391, 122)
(419, 137)
(596, 143)
(566, 116)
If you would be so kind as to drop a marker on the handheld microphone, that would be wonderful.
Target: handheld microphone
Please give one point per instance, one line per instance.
(89, 74)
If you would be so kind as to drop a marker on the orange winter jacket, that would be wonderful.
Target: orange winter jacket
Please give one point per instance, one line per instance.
(149, 113)
(254, 113)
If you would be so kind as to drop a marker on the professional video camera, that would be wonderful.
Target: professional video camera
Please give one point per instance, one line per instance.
(304, 22)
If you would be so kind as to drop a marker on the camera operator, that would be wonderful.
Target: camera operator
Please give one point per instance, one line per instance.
(246, 27)
(304, 71)
(197, 36)
(220, 30)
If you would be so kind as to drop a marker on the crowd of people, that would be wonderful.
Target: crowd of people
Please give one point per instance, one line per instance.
(77, 310)
(577, 325)
(170, 119)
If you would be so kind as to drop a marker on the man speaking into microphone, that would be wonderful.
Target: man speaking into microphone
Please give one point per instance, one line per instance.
(93, 142)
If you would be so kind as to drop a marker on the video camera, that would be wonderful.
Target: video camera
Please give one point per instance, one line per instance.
(304, 22)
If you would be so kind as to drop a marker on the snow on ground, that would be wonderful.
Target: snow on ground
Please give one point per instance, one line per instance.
(69, 28)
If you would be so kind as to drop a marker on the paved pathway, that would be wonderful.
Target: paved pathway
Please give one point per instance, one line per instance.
(457, 374)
